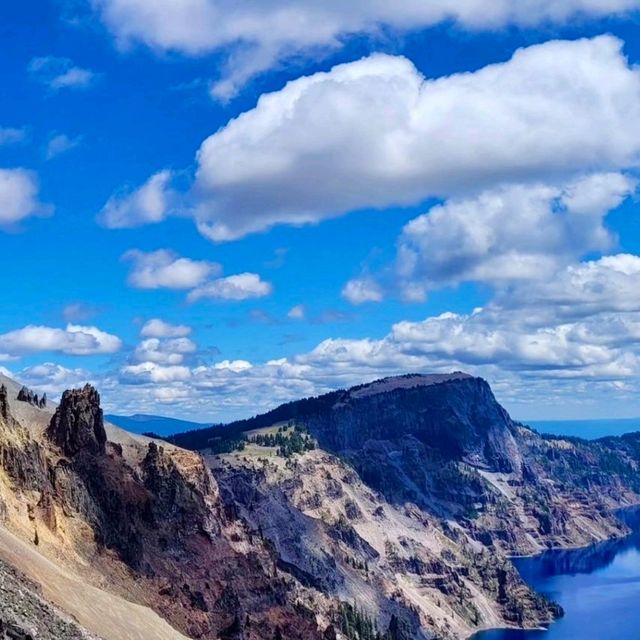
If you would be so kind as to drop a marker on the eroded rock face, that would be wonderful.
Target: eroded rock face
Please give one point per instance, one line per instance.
(191, 502)
(456, 417)
(404, 567)
(149, 522)
(21, 458)
(4, 402)
(78, 423)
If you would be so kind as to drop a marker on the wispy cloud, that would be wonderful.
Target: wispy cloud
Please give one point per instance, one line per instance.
(79, 312)
(12, 135)
(148, 204)
(61, 143)
(61, 73)
(297, 313)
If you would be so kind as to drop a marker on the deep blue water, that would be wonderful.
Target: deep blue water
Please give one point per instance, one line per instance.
(598, 587)
(588, 429)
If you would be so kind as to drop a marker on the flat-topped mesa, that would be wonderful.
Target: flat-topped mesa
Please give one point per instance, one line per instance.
(408, 381)
(78, 423)
(453, 414)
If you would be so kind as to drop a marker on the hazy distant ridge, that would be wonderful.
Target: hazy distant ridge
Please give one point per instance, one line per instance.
(163, 426)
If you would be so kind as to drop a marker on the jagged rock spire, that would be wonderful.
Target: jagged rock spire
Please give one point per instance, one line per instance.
(4, 403)
(26, 395)
(78, 423)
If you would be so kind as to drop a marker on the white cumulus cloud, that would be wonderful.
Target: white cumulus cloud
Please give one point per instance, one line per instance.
(19, 196)
(515, 232)
(259, 33)
(609, 284)
(163, 269)
(166, 352)
(156, 328)
(361, 290)
(152, 372)
(242, 286)
(235, 366)
(53, 378)
(148, 204)
(376, 133)
(73, 340)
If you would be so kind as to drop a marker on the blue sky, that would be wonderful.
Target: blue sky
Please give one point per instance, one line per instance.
(439, 187)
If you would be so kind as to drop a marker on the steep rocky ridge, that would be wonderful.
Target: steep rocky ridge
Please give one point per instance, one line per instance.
(143, 521)
(335, 534)
(445, 444)
(478, 487)
(404, 514)
(456, 417)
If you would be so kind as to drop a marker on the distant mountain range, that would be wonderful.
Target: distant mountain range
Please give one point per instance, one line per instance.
(161, 425)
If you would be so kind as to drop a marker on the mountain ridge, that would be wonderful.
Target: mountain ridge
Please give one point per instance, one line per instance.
(392, 505)
(144, 519)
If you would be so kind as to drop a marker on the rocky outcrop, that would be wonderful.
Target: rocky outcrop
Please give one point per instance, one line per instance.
(418, 488)
(402, 567)
(148, 521)
(441, 448)
(4, 402)
(78, 423)
(21, 458)
(444, 443)
(26, 395)
(191, 503)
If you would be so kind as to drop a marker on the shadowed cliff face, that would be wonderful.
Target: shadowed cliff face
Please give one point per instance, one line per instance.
(453, 417)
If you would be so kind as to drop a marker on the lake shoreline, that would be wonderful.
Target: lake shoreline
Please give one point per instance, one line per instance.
(627, 509)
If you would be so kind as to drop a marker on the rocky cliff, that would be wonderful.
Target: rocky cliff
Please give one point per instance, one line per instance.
(442, 449)
(382, 512)
(144, 519)
(78, 424)
(456, 418)
(444, 443)
(397, 562)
